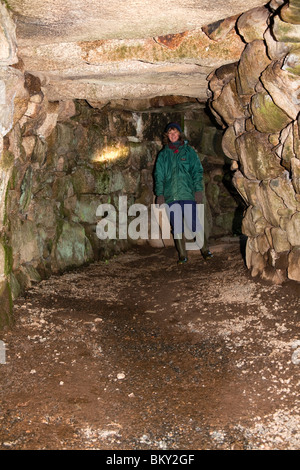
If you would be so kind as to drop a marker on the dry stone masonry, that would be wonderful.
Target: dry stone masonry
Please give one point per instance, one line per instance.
(62, 159)
(257, 101)
(70, 157)
(56, 165)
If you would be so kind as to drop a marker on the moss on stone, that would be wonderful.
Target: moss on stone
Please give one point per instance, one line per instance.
(102, 181)
(6, 305)
(26, 190)
(6, 3)
(267, 116)
(13, 179)
(8, 259)
(292, 63)
(7, 160)
(83, 180)
(285, 32)
(194, 44)
(72, 247)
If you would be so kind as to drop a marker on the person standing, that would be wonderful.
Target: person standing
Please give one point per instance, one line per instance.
(178, 177)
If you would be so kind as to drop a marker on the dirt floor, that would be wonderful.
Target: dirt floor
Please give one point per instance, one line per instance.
(138, 353)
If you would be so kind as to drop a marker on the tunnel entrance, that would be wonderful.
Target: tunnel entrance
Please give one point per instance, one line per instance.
(78, 131)
(112, 344)
(95, 155)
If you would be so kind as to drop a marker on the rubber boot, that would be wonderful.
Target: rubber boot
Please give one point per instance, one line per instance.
(180, 247)
(206, 253)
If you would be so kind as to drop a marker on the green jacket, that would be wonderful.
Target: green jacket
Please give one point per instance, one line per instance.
(178, 175)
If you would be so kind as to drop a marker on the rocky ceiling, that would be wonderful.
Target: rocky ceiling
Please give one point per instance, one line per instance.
(126, 49)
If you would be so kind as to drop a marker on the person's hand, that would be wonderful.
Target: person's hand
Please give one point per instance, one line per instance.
(199, 197)
(160, 200)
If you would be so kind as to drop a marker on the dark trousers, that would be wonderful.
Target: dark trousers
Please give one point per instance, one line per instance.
(180, 212)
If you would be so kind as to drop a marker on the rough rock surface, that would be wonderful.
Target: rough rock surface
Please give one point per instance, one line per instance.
(48, 179)
(125, 49)
(258, 100)
(69, 159)
(74, 20)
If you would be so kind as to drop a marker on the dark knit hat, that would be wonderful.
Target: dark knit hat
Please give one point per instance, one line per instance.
(173, 125)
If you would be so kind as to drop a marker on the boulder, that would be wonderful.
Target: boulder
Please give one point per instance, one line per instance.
(286, 32)
(28, 144)
(220, 77)
(285, 149)
(283, 88)
(295, 172)
(258, 161)
(270, 204)
(83, 180)
(66, 110)
(49, 123)
(238, 181)
(255, 262)
(279, 240)
(252, 24)
(291, 62)
(228, 104)
(294, 264)
(72, 247)
(24, 242)
(228, 143)
(283, 187)
(13, 98)
(8, 42)
(267, 117)
(6, 313)
(263, 245)
(86, 208)
(290, 13)
(251, 189)
(293, 229)
(277, 50)
(219, 29)
(252, 224)
(253, 62)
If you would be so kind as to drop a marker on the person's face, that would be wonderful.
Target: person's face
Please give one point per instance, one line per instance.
(173, 135)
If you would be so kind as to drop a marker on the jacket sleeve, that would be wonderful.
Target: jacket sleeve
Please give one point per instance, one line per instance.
(159, 175)
(196, 171)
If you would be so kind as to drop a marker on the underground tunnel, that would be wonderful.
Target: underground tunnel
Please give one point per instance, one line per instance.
(67, 107)
(85, 96)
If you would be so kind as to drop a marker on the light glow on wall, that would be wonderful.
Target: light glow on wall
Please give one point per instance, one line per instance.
(111, 154)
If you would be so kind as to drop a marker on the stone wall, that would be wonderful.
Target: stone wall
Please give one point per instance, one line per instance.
(12, 95)
(68, 158)
(61, 160)
(257, 102)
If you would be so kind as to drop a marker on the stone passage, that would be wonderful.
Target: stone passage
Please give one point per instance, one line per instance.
(257, 101)
(63, 159)
(81, 121)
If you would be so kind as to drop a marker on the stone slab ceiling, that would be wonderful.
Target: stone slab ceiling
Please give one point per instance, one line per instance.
(100, 49)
